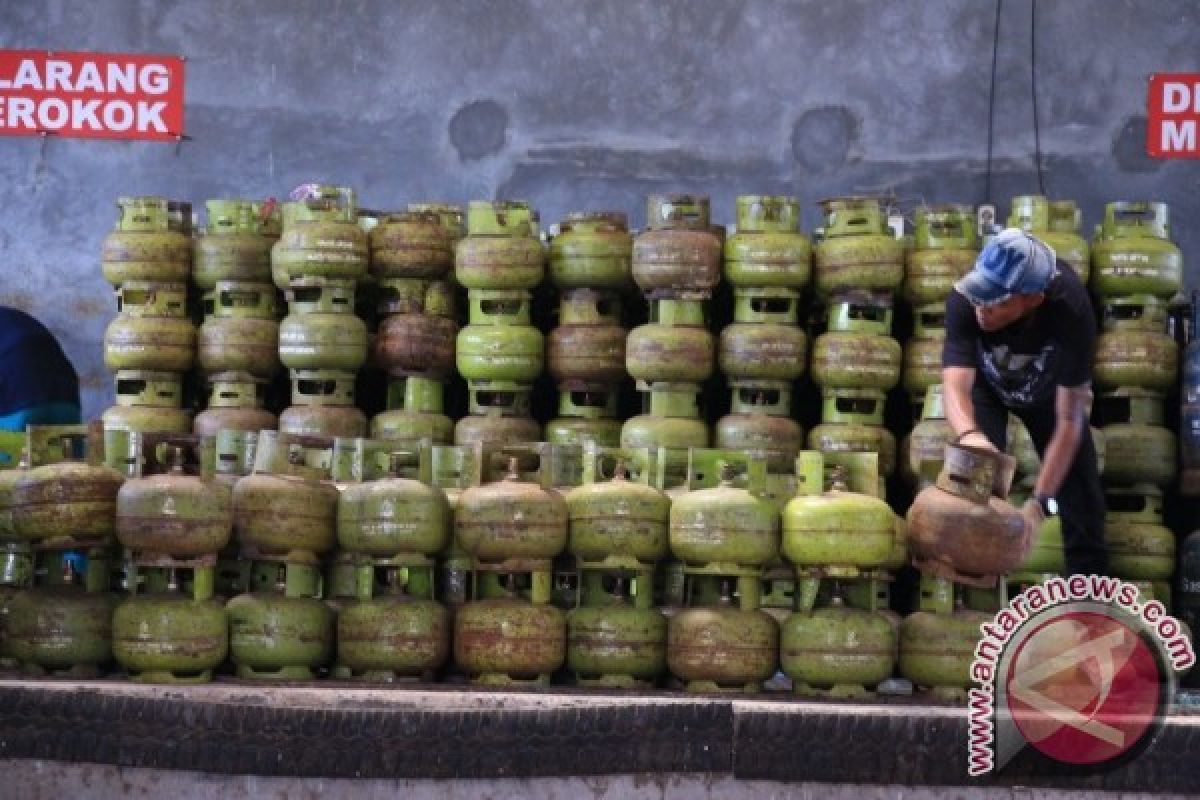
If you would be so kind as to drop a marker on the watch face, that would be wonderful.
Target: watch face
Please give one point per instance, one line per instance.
(1051, 506)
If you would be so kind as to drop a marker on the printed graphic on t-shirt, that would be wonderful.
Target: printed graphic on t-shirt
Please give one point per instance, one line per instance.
(1020, 379)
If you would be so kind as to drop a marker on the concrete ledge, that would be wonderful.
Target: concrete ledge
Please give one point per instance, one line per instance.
(445, 732)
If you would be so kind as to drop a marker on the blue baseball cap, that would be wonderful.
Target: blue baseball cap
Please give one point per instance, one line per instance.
(1012, 263)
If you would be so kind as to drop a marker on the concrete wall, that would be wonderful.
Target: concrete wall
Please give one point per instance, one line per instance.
(585, 104)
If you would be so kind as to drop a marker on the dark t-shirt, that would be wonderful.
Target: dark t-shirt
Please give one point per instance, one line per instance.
(1025, 362)
(33, 369)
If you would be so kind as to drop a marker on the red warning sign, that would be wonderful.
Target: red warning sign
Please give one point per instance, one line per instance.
(91, 95)
(1173, 115)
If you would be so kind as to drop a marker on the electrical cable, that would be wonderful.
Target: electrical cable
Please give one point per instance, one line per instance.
(1037, 135)
(987, 185)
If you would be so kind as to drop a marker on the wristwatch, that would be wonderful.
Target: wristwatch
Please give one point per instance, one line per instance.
(1049, 504)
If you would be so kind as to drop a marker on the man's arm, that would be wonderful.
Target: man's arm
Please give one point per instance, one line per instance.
(958, 372)
(957, 383)
(1070, 420)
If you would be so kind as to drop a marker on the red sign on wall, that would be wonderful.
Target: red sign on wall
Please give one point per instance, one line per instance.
(91, 95)
(1173, 107)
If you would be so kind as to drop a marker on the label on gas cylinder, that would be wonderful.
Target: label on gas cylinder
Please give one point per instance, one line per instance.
(91, 95)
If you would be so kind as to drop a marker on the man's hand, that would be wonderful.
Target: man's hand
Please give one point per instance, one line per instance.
(1033, 517)
(1033, 514)
(978, 440)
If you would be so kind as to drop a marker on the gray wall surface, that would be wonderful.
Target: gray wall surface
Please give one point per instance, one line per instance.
(587, 104)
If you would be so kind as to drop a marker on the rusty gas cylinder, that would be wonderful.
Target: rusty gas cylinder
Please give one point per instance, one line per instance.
(677, 252)
(960, 524)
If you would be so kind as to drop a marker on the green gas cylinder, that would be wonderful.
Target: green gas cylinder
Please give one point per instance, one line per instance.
(287, 508)
(936, 650)
(927, 443)
(616, 638)
(63, 624)
(232, 247)
(506, 639)
(1135, 351)
(143, 246)
(321, 332)
(151, 331)
(1134, 253)
(511, 518)
(722, 647)
(1140, 546)
(858, 251)
(169, 632)
(585, 414)
(835, 527)
(415, 411)
(280, 631)
(760, 423)
(588, 345)
(768, 249)
(764, 343)
(501, 249)
(234, 404)
(321, 239)
(66, 498)
(945, 245)
(857, 352)
(393, 630)
(923, 352)
(593, 249)
(837, 650)
(393, 514)
(730, 523)
(615, 518)
(852, 422)
(175, 514)
(1137, 448)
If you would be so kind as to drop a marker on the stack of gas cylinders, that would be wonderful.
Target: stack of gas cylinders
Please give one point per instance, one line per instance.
(172, 522)
(676, 265)
(618, 519)
(238, 344)
(512, 528)
(151, 344)
(391, 526)
(765, 351)
(60, 516)
(499, 353)
(593, 552)
(964, 535)
(585, 354)
(285, 521)
(859, 268)
(1136, 271)
(412, 261)
(1187, 598)
(318, 261)
(945, 245)
(845, 544)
